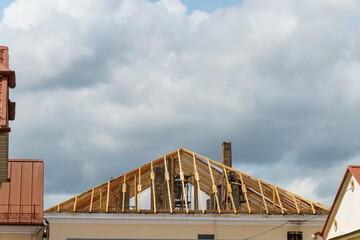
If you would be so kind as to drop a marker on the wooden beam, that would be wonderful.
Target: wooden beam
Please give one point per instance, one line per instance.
(172, 181)
(135, 192)
(107, 196)
(228, 186)
(167, 178)
(278, 197)
(215, 192)
(297, 208)
(263, 198)
(92, 200)
(197, 179)
(312, 207)
(182, 181)
(58, 207)
(274, 199)
(123, 194)
(243, 188)
(139, 189)
(74, 209)
(100, 189)
(152, 176)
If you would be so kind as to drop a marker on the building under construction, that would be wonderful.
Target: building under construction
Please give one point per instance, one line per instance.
(184, 195)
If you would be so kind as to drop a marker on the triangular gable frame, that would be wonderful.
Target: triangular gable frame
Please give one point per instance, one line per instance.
(260, 196)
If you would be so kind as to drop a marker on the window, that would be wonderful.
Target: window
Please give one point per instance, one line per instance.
(294, 236)
(206, 236)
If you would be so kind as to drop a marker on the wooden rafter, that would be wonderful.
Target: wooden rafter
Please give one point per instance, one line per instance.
(206, 175)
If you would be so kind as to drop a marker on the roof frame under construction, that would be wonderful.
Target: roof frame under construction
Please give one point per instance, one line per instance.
(216, 188)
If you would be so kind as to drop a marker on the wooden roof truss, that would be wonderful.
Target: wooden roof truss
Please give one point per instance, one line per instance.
(209, 181)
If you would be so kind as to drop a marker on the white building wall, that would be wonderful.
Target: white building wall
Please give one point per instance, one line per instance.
(347, 217)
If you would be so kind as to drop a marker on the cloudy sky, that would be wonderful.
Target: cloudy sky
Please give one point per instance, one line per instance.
(106, 86)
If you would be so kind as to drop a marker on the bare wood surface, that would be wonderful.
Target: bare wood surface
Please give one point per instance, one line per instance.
(215, 192)
(263, 198)
(167, 178)
(182, 182)
(243, 188)
(197, 179)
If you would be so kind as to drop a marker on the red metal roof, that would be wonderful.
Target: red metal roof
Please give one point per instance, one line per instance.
(355, 171)
(21, 199)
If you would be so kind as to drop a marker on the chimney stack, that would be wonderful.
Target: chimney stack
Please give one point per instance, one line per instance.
(226, 154)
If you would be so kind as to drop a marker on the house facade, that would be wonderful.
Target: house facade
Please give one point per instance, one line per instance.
(343, 221)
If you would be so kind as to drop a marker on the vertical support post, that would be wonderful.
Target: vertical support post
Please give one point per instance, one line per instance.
(228, 186)
(263, 198)
(123, 194)
(274, 200)
(215, 192)
(197, 179)
(135, 191)
(278, 197)
(139, 189)
(107, 196)
(74, 208)
(182, 182)
(172, 181)
(58, 207)
(152, 175)
(243, 188)
(167, 179)
(100, 190)
(92, 200)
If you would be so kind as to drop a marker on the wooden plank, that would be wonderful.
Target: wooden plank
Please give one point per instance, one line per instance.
(228, 186)
(123, 194)
(214, 187)
(172, 181)
(263, 198)
(243, 188)
(167, 178)
(274, 199)
(312, 207)
(107, 196)
(92, 200)
(297, 208)
(74, 209)
(100, 189)
(197, 179)
(278, 197)
(135, 192)
(153, 186)
(182, 182)
(139, 189)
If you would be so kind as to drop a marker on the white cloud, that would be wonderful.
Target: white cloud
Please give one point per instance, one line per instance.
(114, 84)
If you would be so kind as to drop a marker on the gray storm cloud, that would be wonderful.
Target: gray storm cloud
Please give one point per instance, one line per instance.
(104, 87)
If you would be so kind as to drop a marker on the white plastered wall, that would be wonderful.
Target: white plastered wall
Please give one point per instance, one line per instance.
(347, 217)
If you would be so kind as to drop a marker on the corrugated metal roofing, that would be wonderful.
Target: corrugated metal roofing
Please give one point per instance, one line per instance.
(21, 199)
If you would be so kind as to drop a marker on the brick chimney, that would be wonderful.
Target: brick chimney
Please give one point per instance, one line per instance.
(226, 154)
